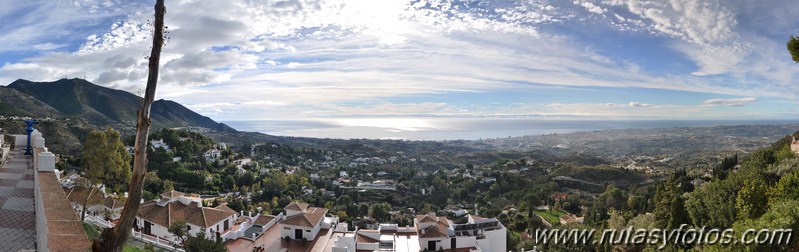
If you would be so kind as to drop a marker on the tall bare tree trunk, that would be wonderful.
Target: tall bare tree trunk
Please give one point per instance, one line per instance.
(114, 239)
(85, 205)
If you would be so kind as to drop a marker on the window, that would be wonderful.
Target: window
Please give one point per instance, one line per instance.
(308, 231)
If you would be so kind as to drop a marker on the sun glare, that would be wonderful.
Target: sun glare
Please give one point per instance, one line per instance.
(381, 19)
(389, 124)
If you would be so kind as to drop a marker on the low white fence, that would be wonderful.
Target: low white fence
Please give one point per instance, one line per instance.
(99, 220)
(155, 241)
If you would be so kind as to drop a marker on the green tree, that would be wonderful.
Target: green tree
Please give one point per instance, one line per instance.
(793, 48)
(614, 197)
(180, 229)
(616, 220)
(669, 204)
(781, 215)
(597, 213)
(343, 201)
(787, 188)
(380, 211)
(201, 243)
(713, 205)
(105, 161)
(751, 201)
(194, 243)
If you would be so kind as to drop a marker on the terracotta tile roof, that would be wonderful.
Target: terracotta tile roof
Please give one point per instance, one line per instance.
(213, 215)
(560, 196)
(77, 194)
(171, 194)
(192, 213)
(302, 207)
(112, 203)
(431, 217)
(434, 231)
(364, 238)
(309, 218)
(225, 208)
(264, 219)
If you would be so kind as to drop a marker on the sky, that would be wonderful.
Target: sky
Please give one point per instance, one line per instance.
(314, 68)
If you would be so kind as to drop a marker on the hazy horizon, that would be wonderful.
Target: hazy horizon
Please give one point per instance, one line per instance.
(470, 129)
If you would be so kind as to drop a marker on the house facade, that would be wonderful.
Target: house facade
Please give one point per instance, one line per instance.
(302, 222)
(99, 204)
(155, 217)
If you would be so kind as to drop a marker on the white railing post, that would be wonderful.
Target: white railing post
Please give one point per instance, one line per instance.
(46, 162)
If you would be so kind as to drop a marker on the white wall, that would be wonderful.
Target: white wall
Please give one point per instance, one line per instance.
(368, 246)
(158, 230)
(163, 232)
(498, 240)
(344, 244)
(305, 234)
(466, 242)
(212, 235)
(20, 141)
(440, 242)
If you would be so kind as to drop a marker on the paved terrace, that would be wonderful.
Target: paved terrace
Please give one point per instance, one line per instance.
(272, 242)
(17, 223)
(34, 212)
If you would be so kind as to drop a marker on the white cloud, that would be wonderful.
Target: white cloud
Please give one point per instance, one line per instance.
(708, 26)
(214, 108)
(314, 56)
(734, 102)
(639, 105)
(591, 7)
(47, 25)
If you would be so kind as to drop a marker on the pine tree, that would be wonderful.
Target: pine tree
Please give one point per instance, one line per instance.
(104, 160)
(670, 205)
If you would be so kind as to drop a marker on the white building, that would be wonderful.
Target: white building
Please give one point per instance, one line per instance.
(212, 154)
(159, 144)
(302, 222)
(100, 205)
(429, 232)
(155, 217)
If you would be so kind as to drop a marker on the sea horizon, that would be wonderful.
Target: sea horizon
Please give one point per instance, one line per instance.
(473, 129)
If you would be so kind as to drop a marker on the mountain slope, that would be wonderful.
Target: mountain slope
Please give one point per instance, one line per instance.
(78, 98)
(180, 116)
(15, 103)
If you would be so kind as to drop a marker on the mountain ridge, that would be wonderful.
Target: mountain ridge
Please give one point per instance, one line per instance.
(79, 98)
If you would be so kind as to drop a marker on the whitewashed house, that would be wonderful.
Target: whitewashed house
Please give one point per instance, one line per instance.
(155, 217)
(159, 144)
(100, 205)
(302, 222)
(430, 232)
(212, 154)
